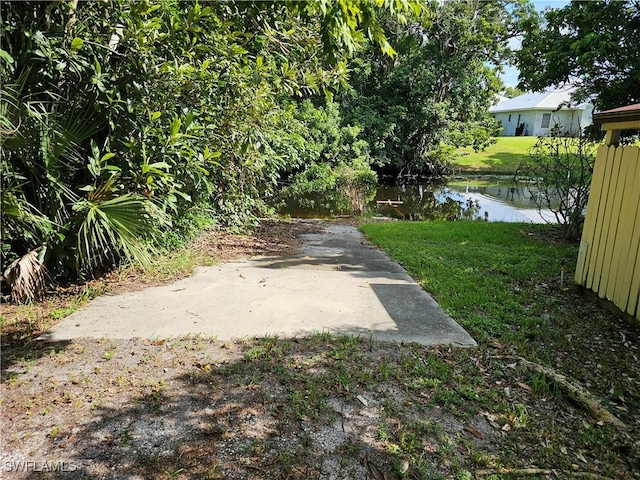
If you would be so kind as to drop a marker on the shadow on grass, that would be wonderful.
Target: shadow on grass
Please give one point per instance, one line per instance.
(507, 159)
(505, 163)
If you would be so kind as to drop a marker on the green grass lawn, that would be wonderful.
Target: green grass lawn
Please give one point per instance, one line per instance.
(497, 279)
(502, 283)
(503, 157)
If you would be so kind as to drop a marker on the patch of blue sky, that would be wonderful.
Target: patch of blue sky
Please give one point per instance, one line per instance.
(510, 75)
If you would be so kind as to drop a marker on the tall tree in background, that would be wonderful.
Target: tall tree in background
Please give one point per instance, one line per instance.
(593, 45)
(435, 95)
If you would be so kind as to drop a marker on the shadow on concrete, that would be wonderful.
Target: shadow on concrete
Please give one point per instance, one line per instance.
(338, 284)
(412, 310)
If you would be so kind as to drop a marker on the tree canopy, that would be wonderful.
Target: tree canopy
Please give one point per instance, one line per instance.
(593, 45)
(124, 125)
(434, 96)
(119, 118)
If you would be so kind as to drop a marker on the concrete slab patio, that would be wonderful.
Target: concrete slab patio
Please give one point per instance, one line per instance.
(337, 284)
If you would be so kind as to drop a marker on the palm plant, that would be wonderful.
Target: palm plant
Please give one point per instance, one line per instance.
(23, 226)
(21, 223)
(109, 225)
(60, 208)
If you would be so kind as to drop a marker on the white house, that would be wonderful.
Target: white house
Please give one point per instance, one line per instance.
(535, 114)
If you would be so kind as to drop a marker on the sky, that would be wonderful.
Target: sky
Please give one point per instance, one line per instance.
(510, 75)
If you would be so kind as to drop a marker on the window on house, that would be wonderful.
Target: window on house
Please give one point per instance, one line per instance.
(509, 118)
(546, 119)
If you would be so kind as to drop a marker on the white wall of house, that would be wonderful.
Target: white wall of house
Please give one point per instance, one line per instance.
(540, 122)
(587, 116)
(510, 120)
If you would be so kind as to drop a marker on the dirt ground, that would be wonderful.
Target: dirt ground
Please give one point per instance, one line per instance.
(320, 407)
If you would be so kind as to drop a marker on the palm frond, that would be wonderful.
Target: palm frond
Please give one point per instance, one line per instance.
(19, 217)
(11, 106)
(26, 277)
(119, 226)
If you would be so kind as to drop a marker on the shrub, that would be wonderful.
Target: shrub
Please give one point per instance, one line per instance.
(560, 167)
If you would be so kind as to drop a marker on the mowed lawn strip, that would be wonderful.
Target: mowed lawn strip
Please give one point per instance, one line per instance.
(503, 157)
(488, 276)
(502, 282)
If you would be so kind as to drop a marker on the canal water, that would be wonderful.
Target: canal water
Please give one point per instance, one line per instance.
(461, 198)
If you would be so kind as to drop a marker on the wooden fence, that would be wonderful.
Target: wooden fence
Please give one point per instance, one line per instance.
(609, 257)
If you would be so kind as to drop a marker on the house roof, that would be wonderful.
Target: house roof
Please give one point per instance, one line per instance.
(500, 99)
(621, 114)
(550, 99)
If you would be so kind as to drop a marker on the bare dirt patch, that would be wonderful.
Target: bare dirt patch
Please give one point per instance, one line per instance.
(319, 407)
(270, 238)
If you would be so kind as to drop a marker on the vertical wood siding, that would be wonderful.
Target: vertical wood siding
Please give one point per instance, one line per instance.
(609, 258)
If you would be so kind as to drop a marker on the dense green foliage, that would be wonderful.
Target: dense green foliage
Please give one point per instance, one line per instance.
(336, 166)
(592, 44)
(125, 123)
(512, 92)
(435, 95)
(121, 118)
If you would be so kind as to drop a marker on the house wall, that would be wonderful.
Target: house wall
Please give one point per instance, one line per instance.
(587, 117)
(509, 121)
(609, 257)
(569, 120)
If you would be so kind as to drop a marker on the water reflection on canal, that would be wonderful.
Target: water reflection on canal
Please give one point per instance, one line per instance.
(470, 198)
(503, 201)
(495, 200)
